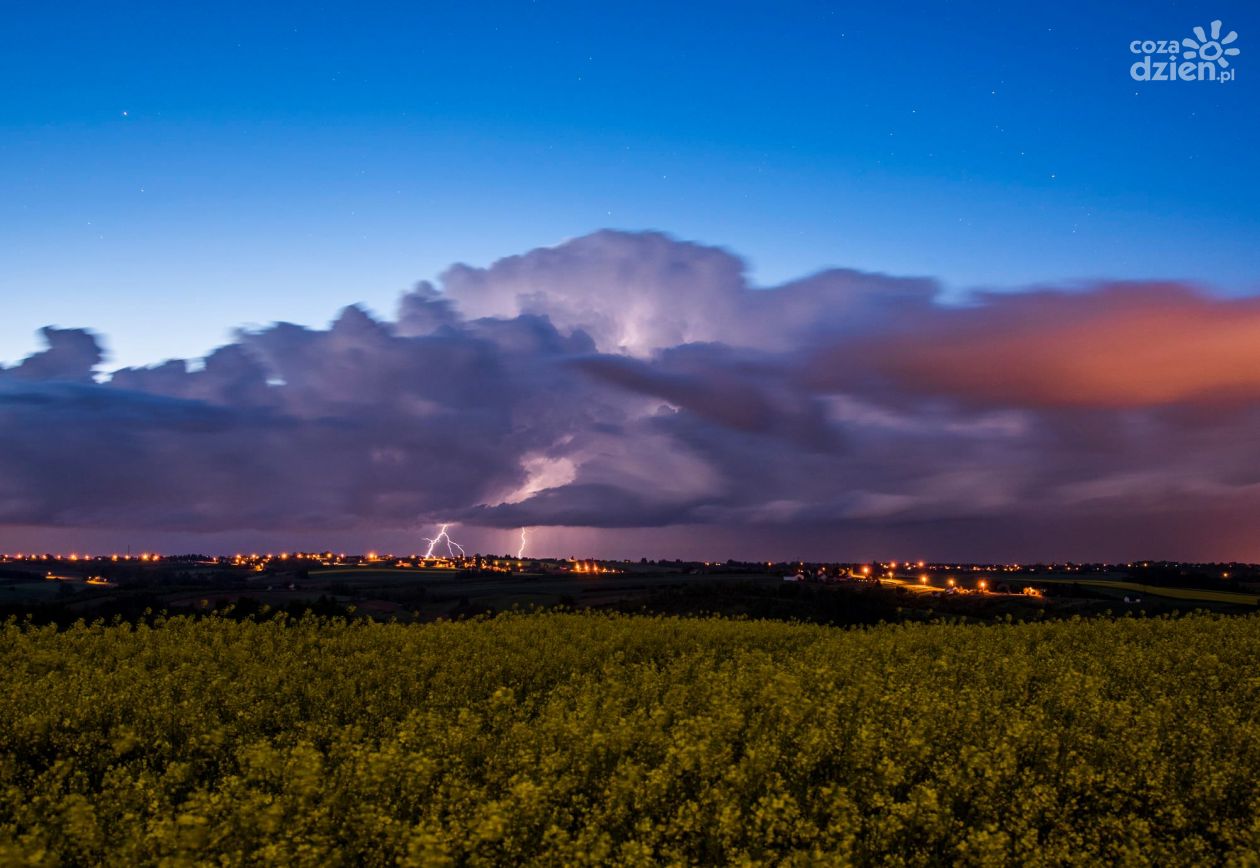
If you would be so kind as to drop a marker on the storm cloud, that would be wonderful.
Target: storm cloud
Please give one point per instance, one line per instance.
(630, 380)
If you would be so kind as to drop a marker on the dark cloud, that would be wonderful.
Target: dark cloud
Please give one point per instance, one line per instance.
(71, 356)
(624, 381)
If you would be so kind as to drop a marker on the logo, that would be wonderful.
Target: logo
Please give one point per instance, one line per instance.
(1202, 58)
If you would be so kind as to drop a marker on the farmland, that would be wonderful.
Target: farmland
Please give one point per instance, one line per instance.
(584, 738)
(62, 590)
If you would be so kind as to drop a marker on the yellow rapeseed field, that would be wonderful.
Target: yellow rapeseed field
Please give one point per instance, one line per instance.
(572, 738)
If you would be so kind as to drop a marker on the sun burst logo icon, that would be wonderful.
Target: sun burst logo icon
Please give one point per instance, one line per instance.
(1210, 49)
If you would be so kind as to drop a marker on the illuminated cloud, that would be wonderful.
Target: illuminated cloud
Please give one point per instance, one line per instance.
(628, 380)
(1113, 345)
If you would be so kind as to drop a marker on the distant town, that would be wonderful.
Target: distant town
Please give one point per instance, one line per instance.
(414, 586)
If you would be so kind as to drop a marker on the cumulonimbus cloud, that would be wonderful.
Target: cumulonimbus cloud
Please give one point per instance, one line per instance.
(632, 380)
(1111, 345)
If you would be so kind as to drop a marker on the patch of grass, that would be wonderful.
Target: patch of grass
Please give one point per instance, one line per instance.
(1194, 594)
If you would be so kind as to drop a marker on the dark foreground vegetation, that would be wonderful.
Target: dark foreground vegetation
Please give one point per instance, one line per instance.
(570, 738)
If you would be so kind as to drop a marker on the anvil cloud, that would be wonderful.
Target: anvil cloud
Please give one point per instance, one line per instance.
(629, 380)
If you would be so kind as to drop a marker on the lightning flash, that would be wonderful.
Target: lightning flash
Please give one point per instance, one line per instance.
(443, 536)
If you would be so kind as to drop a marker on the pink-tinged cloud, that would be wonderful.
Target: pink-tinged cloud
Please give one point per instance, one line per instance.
(1114, 345)
(628, 386)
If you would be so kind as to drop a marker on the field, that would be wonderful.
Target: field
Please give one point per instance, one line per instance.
(416, 593)
(1196, 595)
(592, 738)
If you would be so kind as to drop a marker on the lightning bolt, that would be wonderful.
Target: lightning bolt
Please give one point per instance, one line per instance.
(451, 545)
(520, 552)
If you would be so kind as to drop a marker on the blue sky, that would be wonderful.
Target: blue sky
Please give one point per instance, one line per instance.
(171, 171)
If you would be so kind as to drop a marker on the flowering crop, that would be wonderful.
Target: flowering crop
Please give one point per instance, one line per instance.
(584, 738)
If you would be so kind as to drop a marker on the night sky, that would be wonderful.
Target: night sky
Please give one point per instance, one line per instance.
(930, 281)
